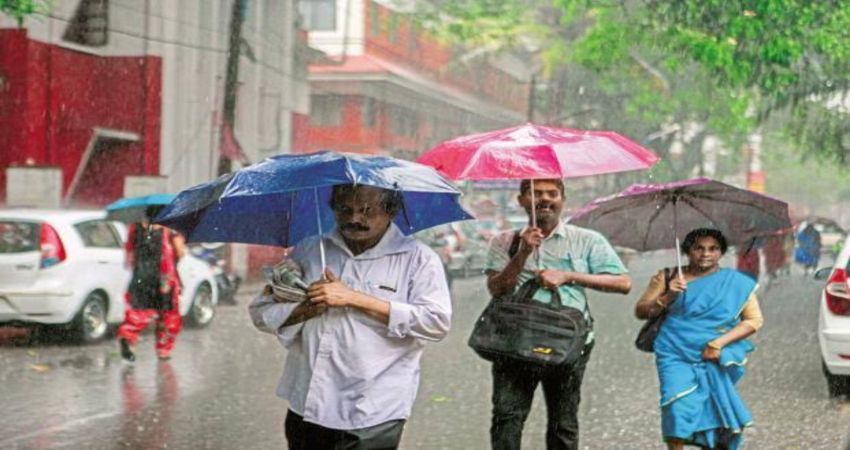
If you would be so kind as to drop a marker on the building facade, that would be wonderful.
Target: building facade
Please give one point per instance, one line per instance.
(106, 89)
(388, 87)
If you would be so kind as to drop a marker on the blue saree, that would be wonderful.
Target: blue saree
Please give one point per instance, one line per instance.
(699, 402)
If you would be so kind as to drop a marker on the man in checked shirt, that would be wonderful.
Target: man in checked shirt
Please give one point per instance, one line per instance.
(353, 347)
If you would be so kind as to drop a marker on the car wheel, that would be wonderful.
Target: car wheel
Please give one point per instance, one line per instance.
(90, 325)
(837, 385)
(203, 310)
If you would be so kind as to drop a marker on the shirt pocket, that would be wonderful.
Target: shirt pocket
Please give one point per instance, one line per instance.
(384, 289)
(574, 264)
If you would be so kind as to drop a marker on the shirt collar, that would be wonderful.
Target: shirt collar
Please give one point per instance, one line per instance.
(393, 241)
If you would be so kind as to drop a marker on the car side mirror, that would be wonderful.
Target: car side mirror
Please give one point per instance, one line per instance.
(822, 274)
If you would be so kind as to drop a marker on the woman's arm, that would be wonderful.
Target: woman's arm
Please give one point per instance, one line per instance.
(751, 321)
(651, 302)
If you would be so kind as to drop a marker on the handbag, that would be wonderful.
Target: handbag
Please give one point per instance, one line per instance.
(645, 340)
(516, 327)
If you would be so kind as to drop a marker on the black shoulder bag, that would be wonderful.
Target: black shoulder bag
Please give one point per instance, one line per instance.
(649, 331)
(516, 327)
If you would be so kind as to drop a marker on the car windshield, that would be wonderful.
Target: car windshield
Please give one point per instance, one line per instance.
(18, 237)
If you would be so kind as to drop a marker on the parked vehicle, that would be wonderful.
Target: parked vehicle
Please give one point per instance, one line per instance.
(228, 282)
(65, 269)
(834, 323)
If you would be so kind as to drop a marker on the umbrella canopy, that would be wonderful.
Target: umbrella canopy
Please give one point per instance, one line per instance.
(535, 152)
(134, 209)
(652, 216)
(285, 198)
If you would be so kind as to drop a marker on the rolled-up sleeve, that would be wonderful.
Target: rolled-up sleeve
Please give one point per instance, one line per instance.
(268, 316)
(428, 311)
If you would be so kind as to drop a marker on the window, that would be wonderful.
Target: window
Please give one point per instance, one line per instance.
(318, 15)
(369, 112)
(393, 28)
(326, 110)
(90, 24)
(18, 237)
(98, 233)
(375, 20)
(404, 122)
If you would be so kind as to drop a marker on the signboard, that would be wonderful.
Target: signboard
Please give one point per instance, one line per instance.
(34, 187)
(137, 185)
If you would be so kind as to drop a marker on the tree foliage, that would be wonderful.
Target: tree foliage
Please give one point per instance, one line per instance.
(21, 9)
(727, 64)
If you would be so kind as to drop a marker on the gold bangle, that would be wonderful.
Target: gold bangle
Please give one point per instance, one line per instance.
(660, 303)
(713, 345)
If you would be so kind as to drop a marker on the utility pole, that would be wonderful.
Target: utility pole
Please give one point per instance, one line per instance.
(532, 89)
(231, 81)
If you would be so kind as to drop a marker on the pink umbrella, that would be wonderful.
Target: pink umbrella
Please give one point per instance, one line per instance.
(536, 152)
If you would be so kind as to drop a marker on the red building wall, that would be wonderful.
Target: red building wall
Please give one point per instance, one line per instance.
(412, 47)
(52, 99)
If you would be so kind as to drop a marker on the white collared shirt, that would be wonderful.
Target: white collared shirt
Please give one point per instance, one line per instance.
(345, 369)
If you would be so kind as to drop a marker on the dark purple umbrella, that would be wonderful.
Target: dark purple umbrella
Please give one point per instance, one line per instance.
(652, 216)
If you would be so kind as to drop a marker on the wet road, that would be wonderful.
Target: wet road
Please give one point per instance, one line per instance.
(217, 392)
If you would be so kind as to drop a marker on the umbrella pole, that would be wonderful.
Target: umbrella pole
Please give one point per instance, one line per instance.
(676, 233)
(534, 223)
(321, 238)
(533, 207)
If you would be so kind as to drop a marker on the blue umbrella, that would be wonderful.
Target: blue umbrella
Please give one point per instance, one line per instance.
(285, 198)
(134, 209)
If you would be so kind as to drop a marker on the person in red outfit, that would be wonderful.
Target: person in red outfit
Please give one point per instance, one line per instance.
(153, 294)
(775, 258)
(748, 259)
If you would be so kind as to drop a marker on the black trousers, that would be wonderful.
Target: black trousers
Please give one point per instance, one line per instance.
(303, 435)
(514, 384)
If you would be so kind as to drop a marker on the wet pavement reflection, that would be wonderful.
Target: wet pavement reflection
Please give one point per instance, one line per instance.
(217, 391)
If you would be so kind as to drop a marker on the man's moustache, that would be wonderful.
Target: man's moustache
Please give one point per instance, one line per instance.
(354, 227)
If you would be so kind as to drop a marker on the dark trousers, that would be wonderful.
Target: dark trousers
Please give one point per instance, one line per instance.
(303, 435)
(514, 384)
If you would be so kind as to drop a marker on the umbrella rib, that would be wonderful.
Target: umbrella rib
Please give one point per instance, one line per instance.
(696, 208)
(736, 202)
(617, 208)
(651, 219)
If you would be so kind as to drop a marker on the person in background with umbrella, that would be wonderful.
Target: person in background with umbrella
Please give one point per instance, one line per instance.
(701, 348)
(572, 259)
(775, 258)
(749, 257)
(807, 253)
(152, 253)
(353, 347)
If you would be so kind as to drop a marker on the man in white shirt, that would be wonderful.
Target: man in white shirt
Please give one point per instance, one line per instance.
(353, 348)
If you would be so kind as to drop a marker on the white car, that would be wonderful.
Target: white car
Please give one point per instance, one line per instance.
(834, 323)
(65, 268)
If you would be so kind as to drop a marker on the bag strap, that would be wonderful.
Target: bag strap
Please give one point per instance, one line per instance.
(668, 276)
(533, 285)
(514, 248)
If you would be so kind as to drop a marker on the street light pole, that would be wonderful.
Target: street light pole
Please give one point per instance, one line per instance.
(231, 81)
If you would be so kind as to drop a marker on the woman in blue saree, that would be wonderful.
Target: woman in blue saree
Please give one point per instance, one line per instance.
(701, 348)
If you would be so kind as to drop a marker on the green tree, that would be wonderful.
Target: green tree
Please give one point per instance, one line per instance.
(727, 63)
(21, 9)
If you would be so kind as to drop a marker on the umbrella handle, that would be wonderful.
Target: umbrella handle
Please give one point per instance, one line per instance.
(676, 233)
(678, 257)
(321, 237)
(534, 223)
